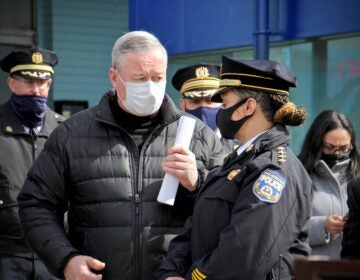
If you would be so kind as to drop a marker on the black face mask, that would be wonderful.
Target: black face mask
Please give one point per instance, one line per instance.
(332, 159)
(228, 128)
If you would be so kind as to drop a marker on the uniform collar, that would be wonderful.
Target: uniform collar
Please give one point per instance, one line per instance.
(11, 124)
(242, 148)
(276, 137)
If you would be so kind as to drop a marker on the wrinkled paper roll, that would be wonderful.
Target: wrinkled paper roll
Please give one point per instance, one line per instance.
(170, 183)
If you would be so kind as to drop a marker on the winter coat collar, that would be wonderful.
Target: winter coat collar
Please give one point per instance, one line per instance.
(339, 170)
(275, 137)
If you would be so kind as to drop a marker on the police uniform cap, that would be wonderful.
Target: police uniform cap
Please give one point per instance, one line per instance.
(264, 75)
(197, 81)
(31, 63)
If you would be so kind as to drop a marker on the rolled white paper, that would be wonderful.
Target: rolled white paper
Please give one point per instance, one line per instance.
(170, 183)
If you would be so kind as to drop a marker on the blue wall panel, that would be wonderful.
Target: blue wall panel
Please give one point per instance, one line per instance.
(308, 18)
(200, 25)
(188, 26)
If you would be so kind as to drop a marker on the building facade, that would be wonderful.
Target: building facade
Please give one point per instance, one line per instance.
(318, 40)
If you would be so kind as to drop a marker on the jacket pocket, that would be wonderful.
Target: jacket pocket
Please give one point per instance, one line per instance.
(227, 192)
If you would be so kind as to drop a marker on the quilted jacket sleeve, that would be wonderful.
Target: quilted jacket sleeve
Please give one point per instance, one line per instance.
(42, 206)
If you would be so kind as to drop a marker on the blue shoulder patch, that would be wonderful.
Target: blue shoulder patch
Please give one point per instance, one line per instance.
(269, 186)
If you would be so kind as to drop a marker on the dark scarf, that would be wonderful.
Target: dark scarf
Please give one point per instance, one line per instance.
(30, 110)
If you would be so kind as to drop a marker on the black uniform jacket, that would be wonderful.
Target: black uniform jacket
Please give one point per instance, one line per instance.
(18, 150)
(351, 237)
(92, 167)
(250, 218)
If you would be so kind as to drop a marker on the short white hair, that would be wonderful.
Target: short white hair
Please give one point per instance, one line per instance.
(135, 41)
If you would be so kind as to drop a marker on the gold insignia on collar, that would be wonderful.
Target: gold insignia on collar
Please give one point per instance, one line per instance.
(281, 155)
(232, 174)
(202, 72)
(8, 129)
(248, 149)
(37, 58)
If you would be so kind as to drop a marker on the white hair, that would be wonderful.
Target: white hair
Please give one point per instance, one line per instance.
(135, 41)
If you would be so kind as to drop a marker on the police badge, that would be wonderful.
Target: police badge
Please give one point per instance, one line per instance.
(269, 186)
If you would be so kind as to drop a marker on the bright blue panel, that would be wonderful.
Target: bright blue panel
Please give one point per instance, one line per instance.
(308, 18)
(200, 25)
(188, 26)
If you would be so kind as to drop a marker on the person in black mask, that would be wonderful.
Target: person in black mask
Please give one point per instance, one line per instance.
(331, 157)
(250, 218)
(25, 124)
(196, 84)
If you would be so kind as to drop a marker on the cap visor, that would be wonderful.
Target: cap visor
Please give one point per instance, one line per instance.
(216, 97)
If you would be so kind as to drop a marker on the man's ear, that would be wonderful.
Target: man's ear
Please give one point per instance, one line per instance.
(10, 82)
(250, 106)
(182, 104)
(112, 76)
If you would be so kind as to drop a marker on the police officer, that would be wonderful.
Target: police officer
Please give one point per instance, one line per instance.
(196, 84)
(250, 219)
(25, 124)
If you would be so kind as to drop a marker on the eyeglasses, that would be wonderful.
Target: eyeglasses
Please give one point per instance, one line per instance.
(41, 84)
(342, 150)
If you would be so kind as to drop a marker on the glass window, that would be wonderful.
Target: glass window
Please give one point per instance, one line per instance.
(327, 70)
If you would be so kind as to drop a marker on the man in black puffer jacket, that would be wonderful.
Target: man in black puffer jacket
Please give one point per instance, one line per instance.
(104, 165)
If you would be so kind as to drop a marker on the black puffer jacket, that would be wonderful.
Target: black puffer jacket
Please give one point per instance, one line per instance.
(18, 150)
(93, 165)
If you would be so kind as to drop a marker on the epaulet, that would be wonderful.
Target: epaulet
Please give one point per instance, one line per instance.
(59, 118)
(281, 155)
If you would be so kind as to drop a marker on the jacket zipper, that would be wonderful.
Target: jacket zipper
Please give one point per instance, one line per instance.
(137, 200)
(137, 249)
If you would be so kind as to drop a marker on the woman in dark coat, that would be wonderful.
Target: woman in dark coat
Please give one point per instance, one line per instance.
(250, 219)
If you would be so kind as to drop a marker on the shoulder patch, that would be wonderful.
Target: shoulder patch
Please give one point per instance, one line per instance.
(269, 186)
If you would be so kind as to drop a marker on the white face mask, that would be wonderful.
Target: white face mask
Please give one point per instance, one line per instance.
(143, 99)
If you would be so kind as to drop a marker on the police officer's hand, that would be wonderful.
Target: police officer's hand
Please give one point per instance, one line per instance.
(181, 162)
(334, 224)
(174, 278)
(79, 268)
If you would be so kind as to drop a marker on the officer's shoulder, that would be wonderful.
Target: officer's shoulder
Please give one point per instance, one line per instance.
(276, 157)
(58, 117)
(279, 155)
